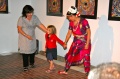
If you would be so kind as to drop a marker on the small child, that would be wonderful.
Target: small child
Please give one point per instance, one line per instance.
(51, 47)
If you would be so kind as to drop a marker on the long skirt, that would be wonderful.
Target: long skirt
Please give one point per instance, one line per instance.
(76, 54)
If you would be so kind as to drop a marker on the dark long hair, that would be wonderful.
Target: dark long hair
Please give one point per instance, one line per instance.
(27, 9)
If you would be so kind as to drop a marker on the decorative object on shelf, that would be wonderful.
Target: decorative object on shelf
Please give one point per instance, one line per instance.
(3, 6)
(114, 10)
(87, 8)
(55, 7)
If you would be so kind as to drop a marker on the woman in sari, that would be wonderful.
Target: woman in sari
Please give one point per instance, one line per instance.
(79, 52)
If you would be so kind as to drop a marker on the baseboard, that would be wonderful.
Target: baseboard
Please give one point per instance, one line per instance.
(62, 59)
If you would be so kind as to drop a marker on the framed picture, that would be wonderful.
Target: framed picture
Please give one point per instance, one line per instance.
(3, 6)
(55, 7)
(87, 8)
(114, 10)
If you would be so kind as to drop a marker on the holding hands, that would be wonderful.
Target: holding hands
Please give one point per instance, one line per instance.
(64, 46)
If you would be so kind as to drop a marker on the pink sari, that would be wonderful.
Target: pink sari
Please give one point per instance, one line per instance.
(77, 53)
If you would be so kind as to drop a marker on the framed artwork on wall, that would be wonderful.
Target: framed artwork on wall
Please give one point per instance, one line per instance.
(87, 8)
(3, 6)
(55, 7)
(114, 10)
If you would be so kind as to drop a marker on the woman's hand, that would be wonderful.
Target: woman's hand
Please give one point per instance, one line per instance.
(86, 46)
(29, 37)
(65, 46)
(23, 33)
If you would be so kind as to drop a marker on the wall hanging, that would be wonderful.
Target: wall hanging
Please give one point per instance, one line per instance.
(3, 6)
(114, 10)
(55, 7)
(87, 8)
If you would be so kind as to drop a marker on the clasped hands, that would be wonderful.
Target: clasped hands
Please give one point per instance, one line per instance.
(65, 46)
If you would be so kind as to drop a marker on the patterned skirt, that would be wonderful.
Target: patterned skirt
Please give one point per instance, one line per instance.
(77, 53)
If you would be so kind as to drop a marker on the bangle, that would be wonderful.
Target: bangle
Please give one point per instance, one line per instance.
(24, 34)
(65, 43)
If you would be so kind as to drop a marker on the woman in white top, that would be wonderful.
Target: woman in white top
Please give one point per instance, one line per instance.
(27, 41)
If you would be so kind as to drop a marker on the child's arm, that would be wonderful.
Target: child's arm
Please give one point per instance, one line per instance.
(61, 42)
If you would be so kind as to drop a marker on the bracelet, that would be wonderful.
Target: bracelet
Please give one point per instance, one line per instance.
(24, 34)
(65, 43)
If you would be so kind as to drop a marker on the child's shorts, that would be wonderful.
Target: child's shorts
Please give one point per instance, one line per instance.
(51, 54)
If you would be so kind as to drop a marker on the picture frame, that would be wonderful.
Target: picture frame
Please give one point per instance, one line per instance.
(3, 6)
(55, 7)
(87, 8)
(114, 13)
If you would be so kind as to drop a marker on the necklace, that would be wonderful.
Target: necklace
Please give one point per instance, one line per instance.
(76, 27)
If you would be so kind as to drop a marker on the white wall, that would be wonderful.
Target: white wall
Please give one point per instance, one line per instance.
(105, 34)
(60, 22)
(8, 26)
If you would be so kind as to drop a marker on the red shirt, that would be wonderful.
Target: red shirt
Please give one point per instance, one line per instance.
(51, 41)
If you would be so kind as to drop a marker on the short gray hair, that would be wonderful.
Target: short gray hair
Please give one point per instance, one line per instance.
(109, 70)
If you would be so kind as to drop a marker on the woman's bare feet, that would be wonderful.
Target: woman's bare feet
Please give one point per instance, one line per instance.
(62, 72)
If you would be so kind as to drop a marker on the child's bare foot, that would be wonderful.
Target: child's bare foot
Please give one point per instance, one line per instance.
(48, 71)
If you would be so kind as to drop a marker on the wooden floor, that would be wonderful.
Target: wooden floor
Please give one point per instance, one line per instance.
(11, 68)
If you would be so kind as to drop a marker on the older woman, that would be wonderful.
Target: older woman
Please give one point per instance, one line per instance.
(109, 70)
(27, 41)
(79, 51)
